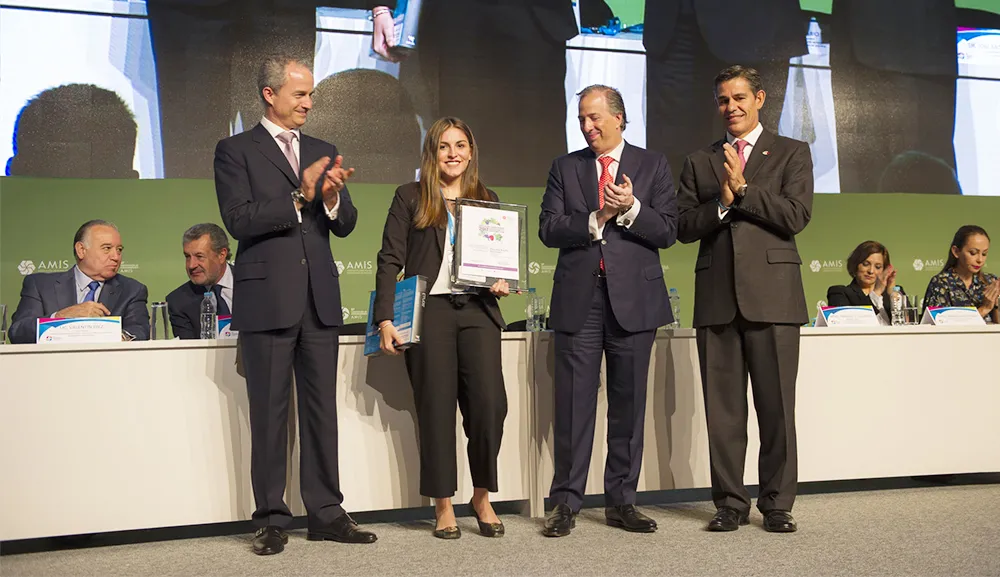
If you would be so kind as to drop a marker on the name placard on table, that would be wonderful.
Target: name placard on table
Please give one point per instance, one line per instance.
(849, 316)
(223, 327)
(80, 330)
(952, 316)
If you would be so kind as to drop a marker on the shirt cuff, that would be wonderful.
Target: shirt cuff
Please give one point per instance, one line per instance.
(627, 219)
(596, 232)
(332, 212)
(298, 213)
(723, 212)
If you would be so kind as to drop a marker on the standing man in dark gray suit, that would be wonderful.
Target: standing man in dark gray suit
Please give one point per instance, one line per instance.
(92, 288)
(290, 311)
(745, 198)
(609, 209)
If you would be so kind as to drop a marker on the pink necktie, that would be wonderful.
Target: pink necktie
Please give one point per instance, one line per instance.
(740, 146)
(286, 138)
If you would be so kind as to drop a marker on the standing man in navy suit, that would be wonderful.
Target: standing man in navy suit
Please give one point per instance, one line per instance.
(609, 209)
(290, 312)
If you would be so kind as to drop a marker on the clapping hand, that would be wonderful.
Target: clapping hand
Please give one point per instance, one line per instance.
(885, 280)
(991, 295)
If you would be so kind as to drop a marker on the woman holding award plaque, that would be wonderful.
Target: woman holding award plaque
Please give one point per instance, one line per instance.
(457, 360)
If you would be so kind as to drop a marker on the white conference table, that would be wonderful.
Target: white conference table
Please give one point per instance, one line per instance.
(99, 438)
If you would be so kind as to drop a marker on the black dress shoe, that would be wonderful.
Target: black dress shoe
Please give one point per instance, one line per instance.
(487, 529)
(629, 518)
(452, 532)
(561, 521)
(343, 530)
(728, 519)
(779, 522)
(269, 540)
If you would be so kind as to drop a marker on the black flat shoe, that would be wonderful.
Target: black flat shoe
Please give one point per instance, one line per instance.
(269, 540)
(487, 529)
(728, 519)
(779, 522)
(343, 530)
(452, 532)
(629, 518)
(560, 522)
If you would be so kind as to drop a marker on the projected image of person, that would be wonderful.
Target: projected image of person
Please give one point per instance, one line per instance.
(687, 42)
(74, 131)
(501, 67)
(894, 68)
(369, 115)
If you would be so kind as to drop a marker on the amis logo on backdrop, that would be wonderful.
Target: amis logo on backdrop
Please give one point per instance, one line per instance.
(535, 267)
(826, 266)
(353, 314)
(929, 263)
(26, 267)
(355, 266)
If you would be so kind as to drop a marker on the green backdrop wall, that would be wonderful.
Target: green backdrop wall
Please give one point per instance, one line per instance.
(39, 216)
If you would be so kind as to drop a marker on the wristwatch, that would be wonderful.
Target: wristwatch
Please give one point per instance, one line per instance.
(739, 193)
(298, 197)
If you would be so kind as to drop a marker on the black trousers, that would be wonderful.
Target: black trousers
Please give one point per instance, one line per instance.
(310, 349)
(680, 101)
(577, 380)
(770, 353)
(457, 360)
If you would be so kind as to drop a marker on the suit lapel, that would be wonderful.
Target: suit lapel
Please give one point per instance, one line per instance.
(586, 172)
(628, 165)
(65, 288)
(757, 157)
(109, 294)
(269, 148)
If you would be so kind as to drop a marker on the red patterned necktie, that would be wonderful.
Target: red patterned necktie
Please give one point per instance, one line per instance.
(602, 183)
(740, 146)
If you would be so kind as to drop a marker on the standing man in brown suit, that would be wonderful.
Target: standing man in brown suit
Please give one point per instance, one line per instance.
(745, 198)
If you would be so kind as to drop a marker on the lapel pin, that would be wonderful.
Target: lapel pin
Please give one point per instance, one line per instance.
(766, 152)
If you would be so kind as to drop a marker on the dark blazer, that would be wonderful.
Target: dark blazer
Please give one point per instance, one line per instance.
(45, 293)
(733, 31)
(631, 255)
(418, 251)
(184, 303)
(915, 38)
(277, 255)
(753, 249)
(852, 296)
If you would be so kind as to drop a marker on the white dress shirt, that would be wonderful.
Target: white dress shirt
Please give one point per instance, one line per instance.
(82, 289)
(625, 219)
(274, 130)
(751, 142)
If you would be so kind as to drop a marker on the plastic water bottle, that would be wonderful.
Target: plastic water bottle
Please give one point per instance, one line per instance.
(675, 308)
(208, 316)
(897, 306)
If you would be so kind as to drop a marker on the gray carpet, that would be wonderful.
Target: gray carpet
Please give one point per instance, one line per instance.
(928, 531)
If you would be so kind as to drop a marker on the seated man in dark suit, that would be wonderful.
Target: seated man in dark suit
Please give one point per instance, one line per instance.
(92, 288)
(206, 260)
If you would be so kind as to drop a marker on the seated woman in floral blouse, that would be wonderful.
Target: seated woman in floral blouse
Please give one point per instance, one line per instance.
(962, 282)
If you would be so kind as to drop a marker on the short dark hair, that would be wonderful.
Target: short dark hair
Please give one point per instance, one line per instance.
(84, 231)
(738, 71)
(217, 236)
(616, 104)
(862, 252)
